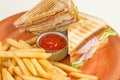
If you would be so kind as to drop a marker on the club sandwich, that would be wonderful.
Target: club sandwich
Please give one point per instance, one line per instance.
(87, 36)
(47, 16)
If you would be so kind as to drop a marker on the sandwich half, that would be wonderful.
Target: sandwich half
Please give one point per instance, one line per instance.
(85, 37)
(47, 16)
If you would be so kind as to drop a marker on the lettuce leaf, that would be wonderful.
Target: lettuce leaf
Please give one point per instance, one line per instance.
(77, 64)
(108, 32)
(79, 18)
(76, 9)
(71, 1)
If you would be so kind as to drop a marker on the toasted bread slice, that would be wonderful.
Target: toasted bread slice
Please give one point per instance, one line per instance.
(80, 32)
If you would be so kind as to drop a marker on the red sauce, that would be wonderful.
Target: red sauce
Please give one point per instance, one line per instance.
(52, 42)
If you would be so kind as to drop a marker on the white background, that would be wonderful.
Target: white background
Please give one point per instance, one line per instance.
(108, 10)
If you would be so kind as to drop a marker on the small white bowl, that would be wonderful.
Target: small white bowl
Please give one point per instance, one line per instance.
(57, 55)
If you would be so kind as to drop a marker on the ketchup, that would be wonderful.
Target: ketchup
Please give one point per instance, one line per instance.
(52, 42)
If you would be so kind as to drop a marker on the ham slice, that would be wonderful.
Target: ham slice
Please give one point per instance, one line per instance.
(87, 51)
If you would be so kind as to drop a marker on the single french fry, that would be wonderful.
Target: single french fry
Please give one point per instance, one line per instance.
(65, 67)
(7, 74)
(0, 64)
(32, 78)
(1, 47)
(6, 47)
(24, 43)
(35, 52)
(34, 46)
(18, 78)
(31, 40)
(5, 62)
(56, 77)
(85, 79)
(30, 66)
(60, 71)
(32, 50)
(12, 49)
(22, 66)
(18, 71)
(4, 54)
(24, 54)
(80, 75)
(0, 69)
(32, 54)
(40, 69)
(1, 75)
(43, 62)
(12, 65)
(16, 44)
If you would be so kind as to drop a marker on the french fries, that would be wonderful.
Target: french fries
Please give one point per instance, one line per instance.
(51, 70)
(60, 71)
(15, 44)
(20, 60)
(22, 66)
(40, 69)
(30, 66)
(25, 44)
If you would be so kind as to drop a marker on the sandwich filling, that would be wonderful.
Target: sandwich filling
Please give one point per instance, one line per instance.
(88, 50)
(55, 23)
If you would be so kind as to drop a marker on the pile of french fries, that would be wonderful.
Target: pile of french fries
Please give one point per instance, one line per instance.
(22, 60)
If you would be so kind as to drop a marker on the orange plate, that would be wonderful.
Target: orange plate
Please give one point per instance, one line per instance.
(105, 64)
